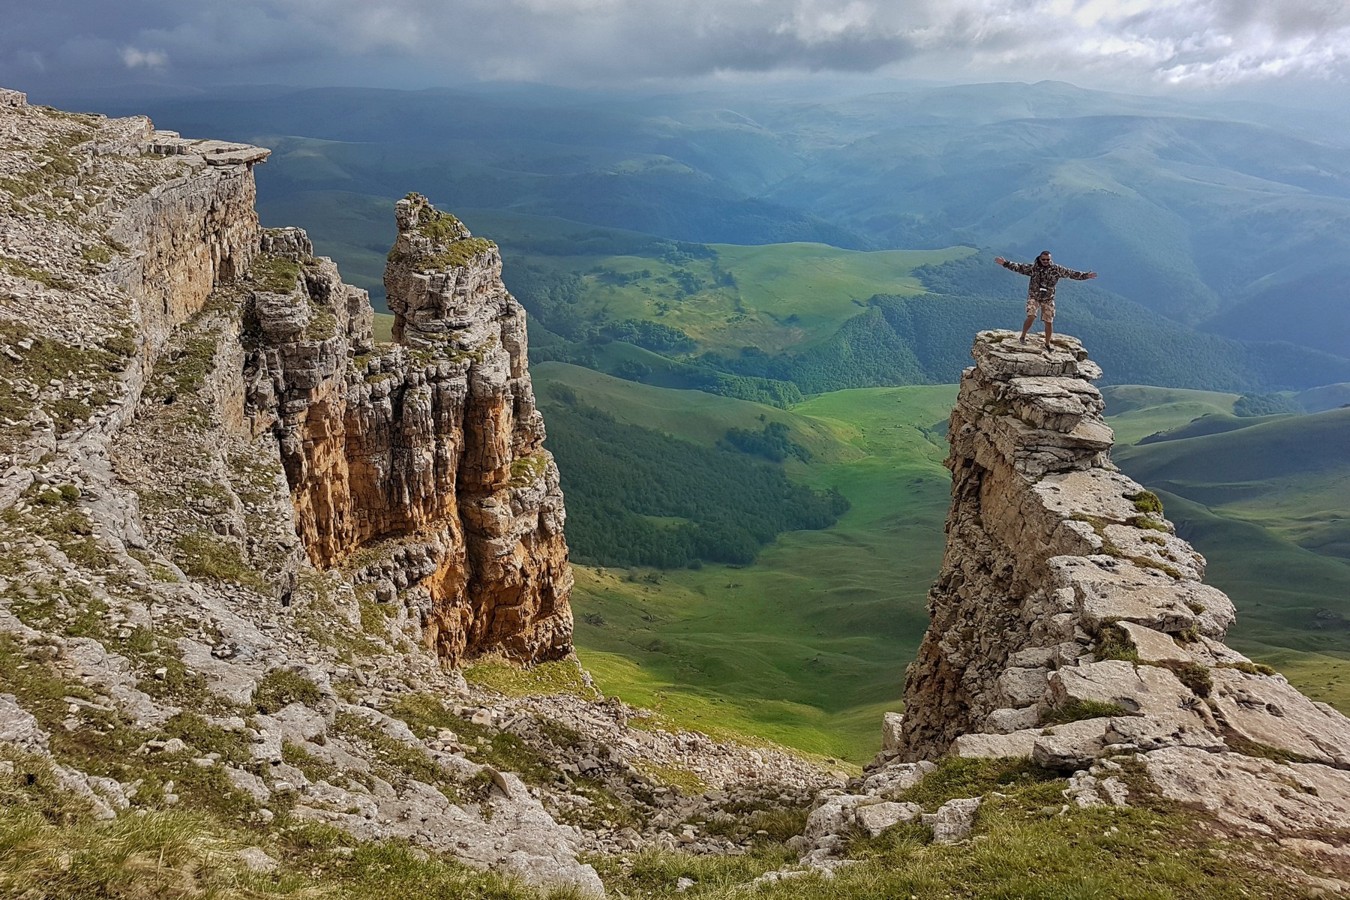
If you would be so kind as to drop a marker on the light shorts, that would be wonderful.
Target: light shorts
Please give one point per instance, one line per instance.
(1044, 308)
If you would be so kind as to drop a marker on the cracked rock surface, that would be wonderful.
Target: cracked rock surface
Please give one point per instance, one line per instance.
(1070, 624)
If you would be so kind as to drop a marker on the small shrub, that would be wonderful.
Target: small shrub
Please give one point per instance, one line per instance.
(314, 768)
(1194, 675)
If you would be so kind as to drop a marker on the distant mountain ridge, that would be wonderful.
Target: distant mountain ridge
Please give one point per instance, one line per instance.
(1212, 215)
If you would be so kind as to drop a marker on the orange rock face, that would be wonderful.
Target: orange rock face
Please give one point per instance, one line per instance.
(419, 465)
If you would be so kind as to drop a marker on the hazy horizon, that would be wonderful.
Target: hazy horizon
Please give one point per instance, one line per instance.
(1220, 49)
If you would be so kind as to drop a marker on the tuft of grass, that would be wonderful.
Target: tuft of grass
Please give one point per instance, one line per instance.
(204, 738)
(280, 688)
(1194, 675)
(1146, 502)
(183, 371)
(898, 840)
(656, 873)
(1077, 710)
(1113, 642)
(22, 269)
(401, 760)
(682, 780)
(275, 274)
(204, 555)
(441, 227)
(43, 362)
(1148, 523)
(425, 713)
(1251, 668)
(1247, 747)
(956, 778)
(314, 768)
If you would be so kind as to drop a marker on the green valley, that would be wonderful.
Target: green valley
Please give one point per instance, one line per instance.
(808, 644)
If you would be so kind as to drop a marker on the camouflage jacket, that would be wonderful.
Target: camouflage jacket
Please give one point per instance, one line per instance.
(1043, 278)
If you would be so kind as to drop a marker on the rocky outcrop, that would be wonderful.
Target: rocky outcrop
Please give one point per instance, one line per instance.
(1070, 623)
(213, 483)
(418, 466)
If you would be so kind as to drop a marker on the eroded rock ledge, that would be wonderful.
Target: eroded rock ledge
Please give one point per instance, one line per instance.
(1070, 623)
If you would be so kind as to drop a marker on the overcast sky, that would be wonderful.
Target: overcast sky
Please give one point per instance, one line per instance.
(1141, 45)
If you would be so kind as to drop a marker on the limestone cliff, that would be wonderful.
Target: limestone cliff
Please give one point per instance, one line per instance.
(419, 466)
(240, 541)
(230, 524)
(1071, 624)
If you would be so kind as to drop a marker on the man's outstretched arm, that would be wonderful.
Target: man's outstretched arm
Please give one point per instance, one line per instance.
(1019, 268)
(1074, 274)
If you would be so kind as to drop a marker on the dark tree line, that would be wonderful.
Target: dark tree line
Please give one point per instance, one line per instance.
(639, 497)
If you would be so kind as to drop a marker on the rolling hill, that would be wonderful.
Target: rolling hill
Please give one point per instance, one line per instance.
(828, 619)
(1210, 215)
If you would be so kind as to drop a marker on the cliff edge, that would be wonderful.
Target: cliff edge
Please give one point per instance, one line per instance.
(1070, 624)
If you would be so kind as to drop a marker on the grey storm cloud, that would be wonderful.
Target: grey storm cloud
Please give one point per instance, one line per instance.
(598, 41)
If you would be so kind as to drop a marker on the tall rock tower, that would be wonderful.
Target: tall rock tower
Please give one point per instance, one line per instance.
(426, 455)
(1069, 623)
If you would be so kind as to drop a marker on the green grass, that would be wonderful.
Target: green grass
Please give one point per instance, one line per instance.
(1026, 844)
(688, 415)
(807, 646)
(384, 327)
(1265, 503)
(1137, 411)
(282, 687)
(1287, 474)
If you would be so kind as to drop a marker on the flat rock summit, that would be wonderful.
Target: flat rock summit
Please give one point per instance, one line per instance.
(263, 571)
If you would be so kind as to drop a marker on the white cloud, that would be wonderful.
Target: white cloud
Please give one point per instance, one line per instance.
(133, 58)
(1125, 42)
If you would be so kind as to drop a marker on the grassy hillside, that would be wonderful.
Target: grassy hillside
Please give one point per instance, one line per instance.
(808, 645)
(1193, 211)
(1137, 411)
(1265, 500)
(1287, 474)
(773, 297)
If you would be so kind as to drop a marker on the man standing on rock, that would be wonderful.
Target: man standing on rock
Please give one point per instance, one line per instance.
(1041, 291)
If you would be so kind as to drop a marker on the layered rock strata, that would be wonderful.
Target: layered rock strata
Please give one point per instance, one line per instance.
(419, 466)
(165, 365)
(1070, 623)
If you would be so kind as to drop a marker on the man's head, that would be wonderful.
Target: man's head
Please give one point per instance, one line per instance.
(1044, 258)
